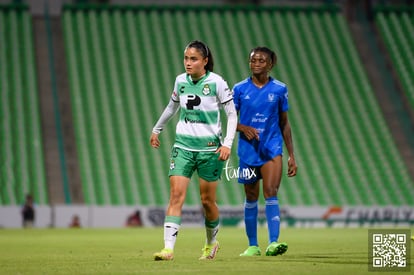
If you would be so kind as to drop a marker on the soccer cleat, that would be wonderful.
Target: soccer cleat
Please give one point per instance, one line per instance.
(275, 249)
(164, 255)
(209, 251)
(252, 251)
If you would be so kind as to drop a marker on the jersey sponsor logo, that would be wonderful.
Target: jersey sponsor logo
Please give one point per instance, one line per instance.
(194, 120)
(194, 117)
(229, 92)
(192, 101)
(211, 144)
(259, 118)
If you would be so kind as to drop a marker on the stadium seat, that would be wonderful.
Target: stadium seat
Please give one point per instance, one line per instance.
(122, 64)
(397, 31)
(21, 154)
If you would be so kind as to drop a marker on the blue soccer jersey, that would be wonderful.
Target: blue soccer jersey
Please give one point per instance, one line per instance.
(260, 108)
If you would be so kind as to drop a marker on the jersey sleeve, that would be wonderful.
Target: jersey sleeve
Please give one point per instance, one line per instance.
(236, 97)
(284, 105)
(168, 113)
(224, 93)
(174, 96)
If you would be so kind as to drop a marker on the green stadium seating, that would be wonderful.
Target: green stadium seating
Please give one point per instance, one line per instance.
(122, 63)
(21, 148)
(396, 28)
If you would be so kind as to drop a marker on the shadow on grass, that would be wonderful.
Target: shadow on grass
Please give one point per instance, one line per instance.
(342, 259)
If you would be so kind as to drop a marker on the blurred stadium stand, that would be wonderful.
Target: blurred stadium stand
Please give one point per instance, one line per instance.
(114, 67)
(396, 28)
(21, 154)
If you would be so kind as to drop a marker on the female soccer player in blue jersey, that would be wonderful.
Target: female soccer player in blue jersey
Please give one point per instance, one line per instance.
(200, 94)
(262, 104)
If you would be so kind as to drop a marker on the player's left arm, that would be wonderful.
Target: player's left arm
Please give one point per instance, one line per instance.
(287, 137)
(231, 113)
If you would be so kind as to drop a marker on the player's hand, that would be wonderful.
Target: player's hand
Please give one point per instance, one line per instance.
(224, 153)
(155, 142)
(292, 167)
(250, 132)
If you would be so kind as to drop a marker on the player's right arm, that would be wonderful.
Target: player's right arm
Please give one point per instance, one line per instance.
(168, 113)
(248, 131)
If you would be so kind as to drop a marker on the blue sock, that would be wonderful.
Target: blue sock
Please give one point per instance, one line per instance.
(273, 218)
(250, 221)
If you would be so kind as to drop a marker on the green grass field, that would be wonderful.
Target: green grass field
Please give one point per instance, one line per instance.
(129, 251)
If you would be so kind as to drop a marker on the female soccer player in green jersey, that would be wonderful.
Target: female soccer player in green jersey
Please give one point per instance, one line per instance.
(199, 94)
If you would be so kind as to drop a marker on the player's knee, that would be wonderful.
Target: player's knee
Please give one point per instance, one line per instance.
(208, 203)
(270, 192)
(177, 199)
(252, 194)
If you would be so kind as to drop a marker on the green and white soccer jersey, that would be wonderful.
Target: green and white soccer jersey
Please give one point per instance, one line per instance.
(199, 126)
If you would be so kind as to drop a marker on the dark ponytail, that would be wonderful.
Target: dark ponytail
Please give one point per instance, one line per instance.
(205, 52)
